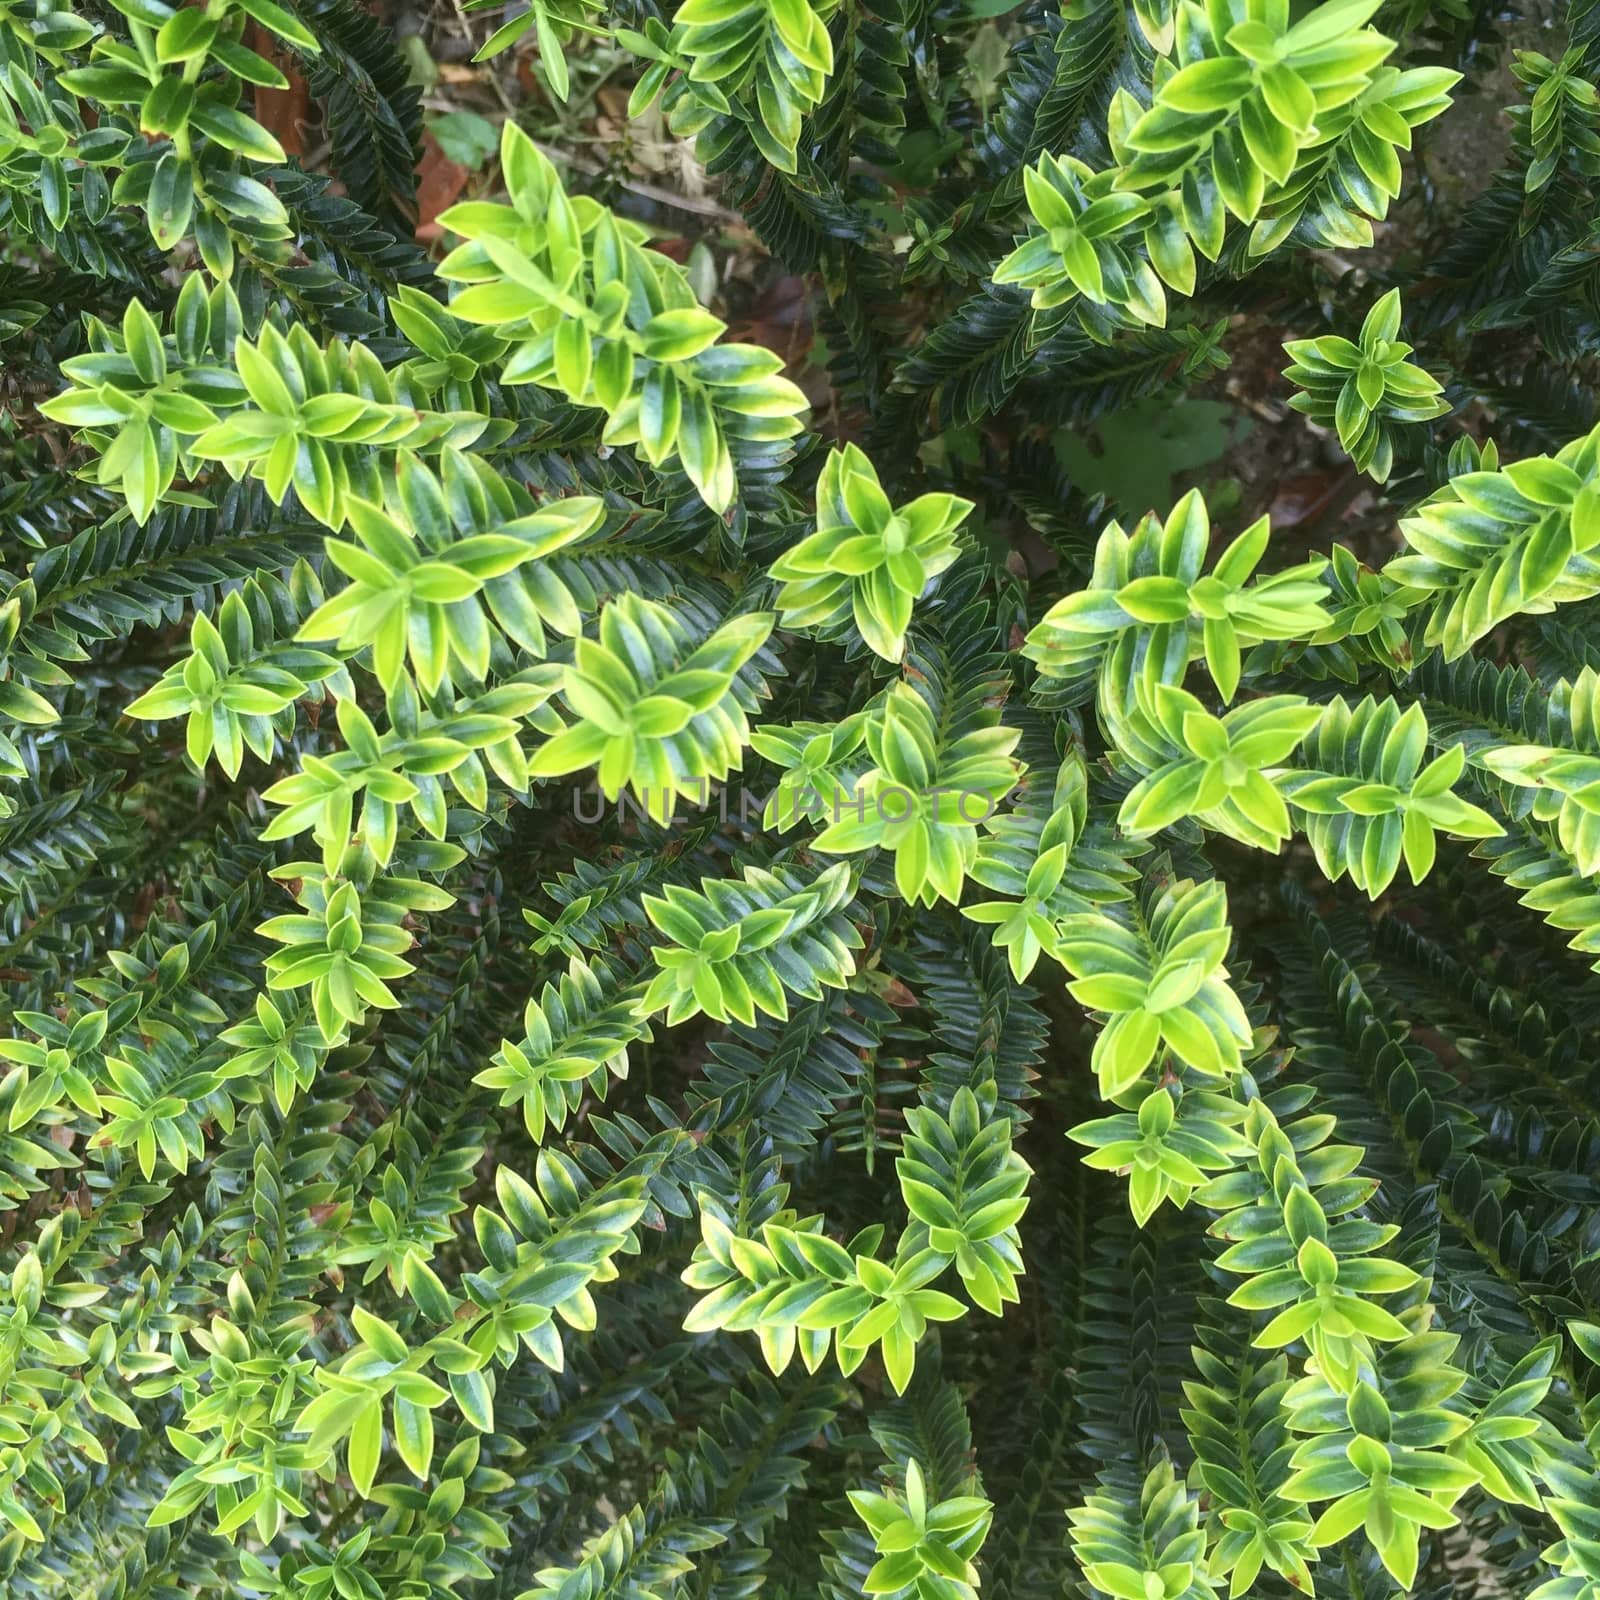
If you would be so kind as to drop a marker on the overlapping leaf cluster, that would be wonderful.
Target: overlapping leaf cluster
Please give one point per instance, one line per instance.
(619, 988)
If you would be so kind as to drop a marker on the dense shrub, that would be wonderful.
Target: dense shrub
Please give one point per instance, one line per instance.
(621, 985)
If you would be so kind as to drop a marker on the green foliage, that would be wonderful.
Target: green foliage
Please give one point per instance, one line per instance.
(1234, 127)
(1559, 119)
(138, 395)
(1150, 608)
(200, 182)
(1493, 543)
(799, 1289)
(1168, 1149)
(866, 561)
(433, 556)
(656, 711)
(732, 948)
(1158, 977)
(553, 24)
(762, 66)
(549, 872)
(236, 688)
(929, 788)
(1364, 387)
(1220, 766)
(574, 1033)
(592, 314)
(1562, 776)
(1369, 800)
(1153, 1544)
(925, 1548)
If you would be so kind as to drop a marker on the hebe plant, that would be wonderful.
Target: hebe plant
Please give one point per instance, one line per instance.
(1115, 1115)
